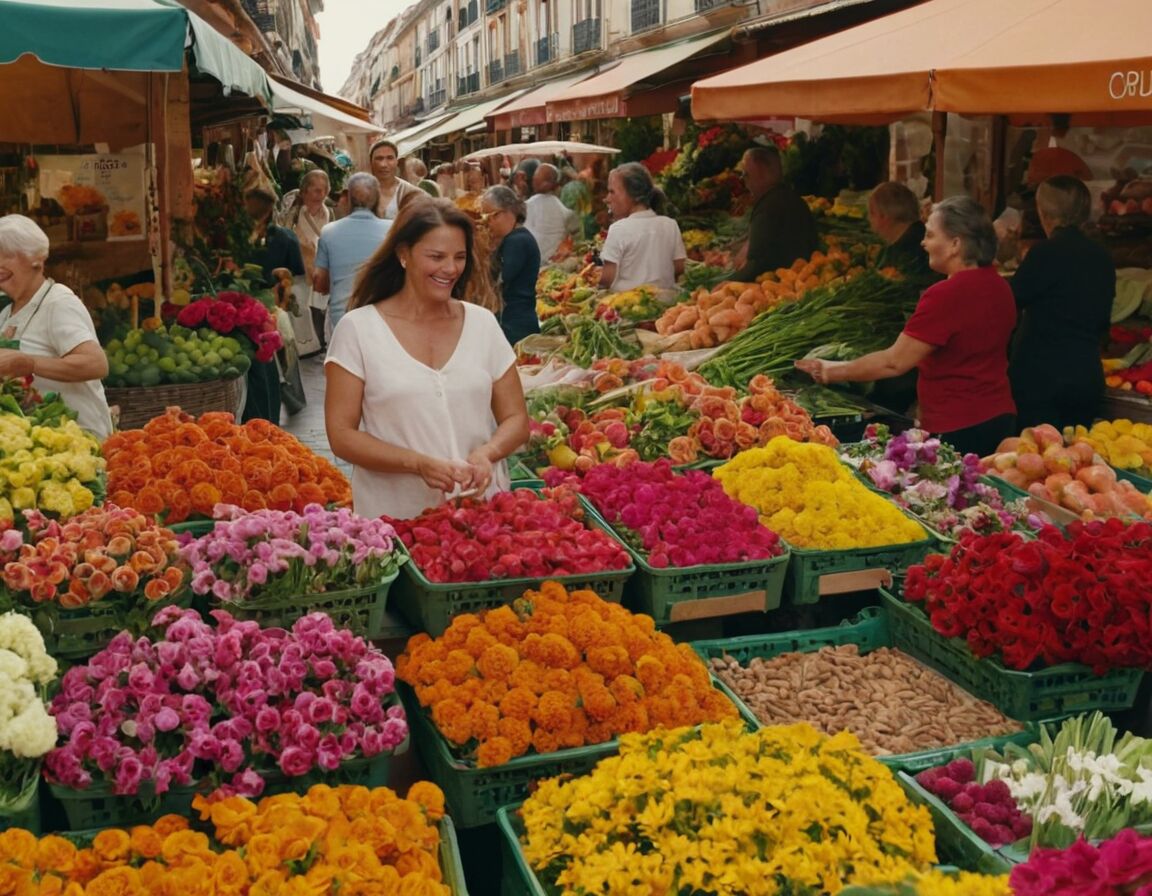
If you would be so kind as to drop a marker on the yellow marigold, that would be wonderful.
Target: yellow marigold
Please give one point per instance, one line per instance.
(55, 854)
(429, 797)
(112, 845)
(168, 824)
(229, 874)
(322, 801)
(182, 846)
(262, 854)
(17, 879)
(497, 661)
(231, 817)
(144, 842)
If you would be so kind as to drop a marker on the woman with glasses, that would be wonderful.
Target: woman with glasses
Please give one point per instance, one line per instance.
(515, 261)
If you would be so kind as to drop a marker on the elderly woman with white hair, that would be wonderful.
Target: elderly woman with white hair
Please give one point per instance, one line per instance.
(46, 330)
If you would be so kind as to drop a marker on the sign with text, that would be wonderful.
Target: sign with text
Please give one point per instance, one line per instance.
(99, 196)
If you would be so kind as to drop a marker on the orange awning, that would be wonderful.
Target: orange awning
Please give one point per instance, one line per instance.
(605, 95)
(966, 56)
(529, 110)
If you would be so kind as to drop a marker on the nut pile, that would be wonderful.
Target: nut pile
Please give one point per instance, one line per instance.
(886, 698)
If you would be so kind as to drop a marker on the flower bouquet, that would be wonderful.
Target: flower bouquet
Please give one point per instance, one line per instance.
(229, 312)
(84, 580)
(930, 479)
(276, 565)
(27, 731)
(179, 467)
(235, 707)
(1121, 866)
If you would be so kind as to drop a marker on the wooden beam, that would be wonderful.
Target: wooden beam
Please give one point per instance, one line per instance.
(939, 135)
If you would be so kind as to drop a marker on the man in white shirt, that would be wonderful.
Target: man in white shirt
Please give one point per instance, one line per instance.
(548, 219)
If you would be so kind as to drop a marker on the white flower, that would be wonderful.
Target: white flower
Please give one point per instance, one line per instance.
(19, 635)
(1062, 808)
(30, 734)
(1029, 788)
(1142, 789)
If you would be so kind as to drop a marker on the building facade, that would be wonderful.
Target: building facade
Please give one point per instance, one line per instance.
(290, 29)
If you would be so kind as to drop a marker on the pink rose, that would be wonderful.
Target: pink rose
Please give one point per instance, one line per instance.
(128, 775)
(306, 736)
(248, 783)
(267, 719)
(231, 755)
(166, 719)
(329, 755)
(296, 761)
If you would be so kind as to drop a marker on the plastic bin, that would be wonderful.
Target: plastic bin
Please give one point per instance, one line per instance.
(77, 634)
(1142, 483)
(430, 606)
(362, 610)
(868, 630)
(97, 807)
(677, 594)
(451, 867)
(807, 567)
(956, 843)
(1047, 693)
(517, 879)
(474, 795)
(364, 772)
(24, 810)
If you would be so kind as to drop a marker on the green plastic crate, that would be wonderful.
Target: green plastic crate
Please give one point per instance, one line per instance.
(868, 630)
(430, 606)
(516, 878)
(369, 773)
(196, 528)
(956, 843)
(451, 868)
(1047, 693)
(362, 610)
(675, 594)
(24, 810)
(77, 634)
(1142, 483)
(807, 567)
(473, 795)
(97, 807)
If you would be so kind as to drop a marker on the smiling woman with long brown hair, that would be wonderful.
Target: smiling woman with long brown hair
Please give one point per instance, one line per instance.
(423, 396)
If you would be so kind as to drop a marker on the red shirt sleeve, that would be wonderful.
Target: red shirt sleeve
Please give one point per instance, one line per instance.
(932, 322)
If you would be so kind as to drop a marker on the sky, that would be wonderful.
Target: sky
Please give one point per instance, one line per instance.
(346, 26)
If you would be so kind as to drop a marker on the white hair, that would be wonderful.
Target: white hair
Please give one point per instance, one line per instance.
(20, 235)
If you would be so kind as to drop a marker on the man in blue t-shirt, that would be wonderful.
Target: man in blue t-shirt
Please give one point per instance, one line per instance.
(346, 244)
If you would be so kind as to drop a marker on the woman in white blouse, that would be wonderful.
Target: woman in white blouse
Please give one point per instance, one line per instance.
(306, 218)
(643, 245)
(423, 396)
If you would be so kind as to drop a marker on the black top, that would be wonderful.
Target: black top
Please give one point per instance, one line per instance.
(907, 254)
(281, 249)
(519, 268)
(781, 230)
(1064, 290)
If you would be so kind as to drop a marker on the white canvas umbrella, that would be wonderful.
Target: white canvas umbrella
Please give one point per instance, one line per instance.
(541, 148)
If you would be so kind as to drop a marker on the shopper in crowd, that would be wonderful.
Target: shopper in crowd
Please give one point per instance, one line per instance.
(522, 176)
(47, 332)
(958, 336)
(445, 177)
(276, 250)
(577, 196)
(307, 215)
(416, 173)
(423, 397)
(1064, 290)
(385, 164)
(781, 228)
(346, 244)
(515, 261)
(643, 245)
(894, 216)
(548, 219)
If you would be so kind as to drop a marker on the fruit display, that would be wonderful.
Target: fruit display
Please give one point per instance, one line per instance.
(1071, 476)
(173, 354)
(1122, 443)
(565, 292)
(56, 468)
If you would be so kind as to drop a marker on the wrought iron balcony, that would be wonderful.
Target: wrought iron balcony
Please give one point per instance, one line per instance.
(437, 98)
(495, 71)
(547, 49)
(585, 36)
(512, 64)
(433, 41)
(646, 14)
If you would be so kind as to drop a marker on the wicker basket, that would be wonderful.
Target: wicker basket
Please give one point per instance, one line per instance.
(139, 404)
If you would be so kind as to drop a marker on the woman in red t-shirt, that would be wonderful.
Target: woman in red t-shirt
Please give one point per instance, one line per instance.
(958, 336)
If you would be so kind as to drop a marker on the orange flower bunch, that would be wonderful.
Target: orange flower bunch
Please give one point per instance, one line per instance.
(350, 840)
(180, 467)
(552, 671)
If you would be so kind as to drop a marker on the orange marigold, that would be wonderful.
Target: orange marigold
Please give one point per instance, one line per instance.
(429, 797)
(482, 720)
(553, 711)
(479, 639)
(528, 675)
(518, 733)
(610, 660)
(519, 703)
(458, 666)
(544, 741)
(112, 845)
(498, 661)
(494, 751)
(551, 651)
(456, 635)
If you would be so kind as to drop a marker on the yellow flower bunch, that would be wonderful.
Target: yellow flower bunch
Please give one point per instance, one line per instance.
(52, 468)
(930, 883)
(350, 840)
(555, 670)
(1121, 443)
(697, 239)
(806, 495)
(716, 809)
